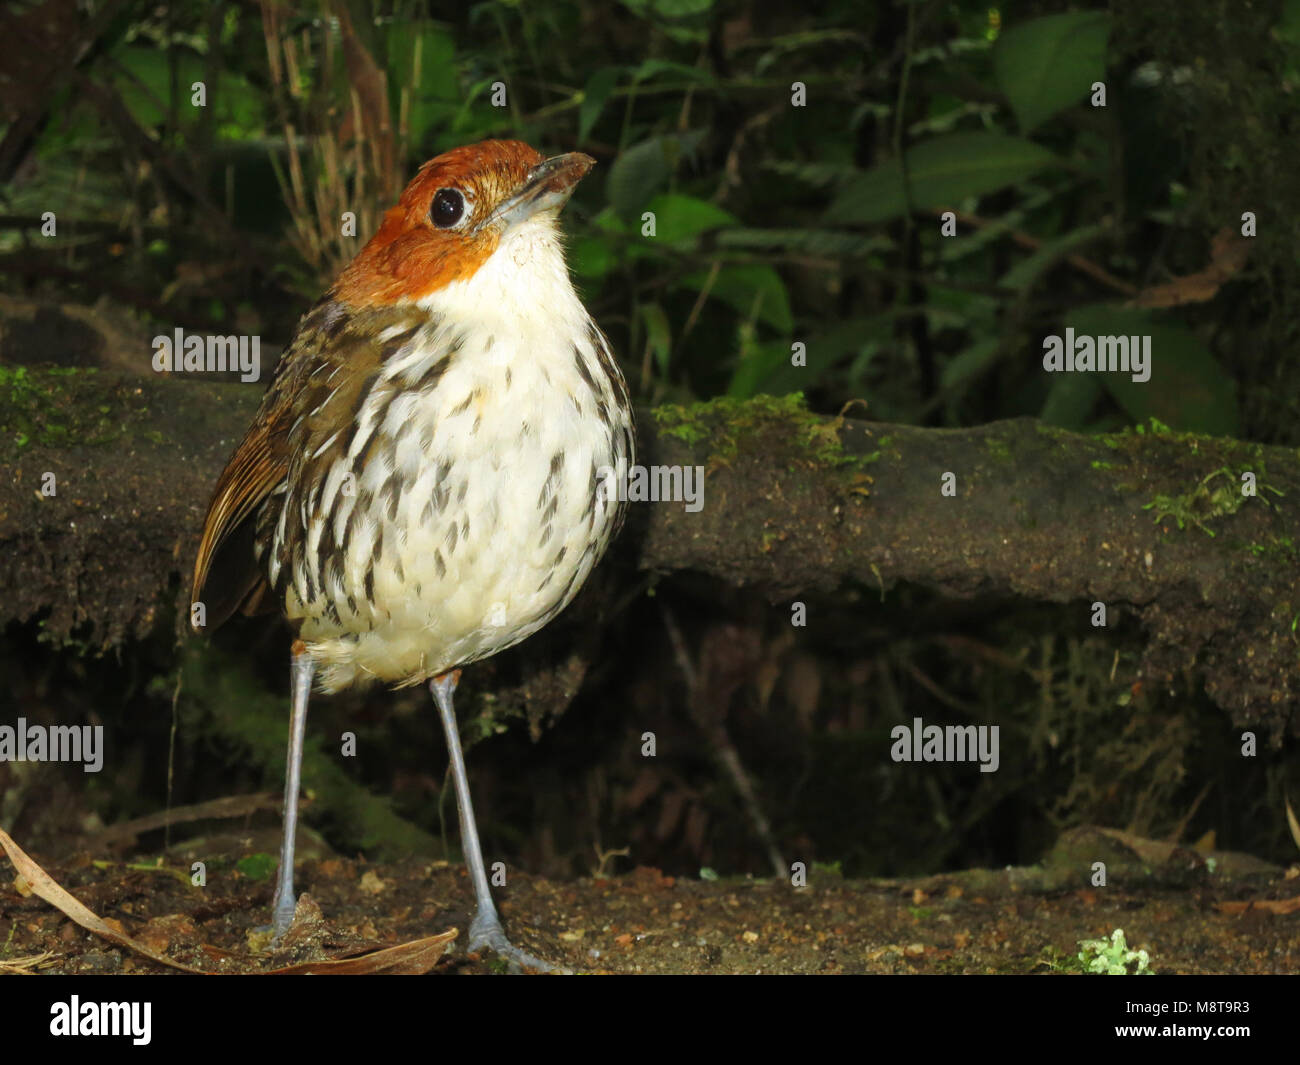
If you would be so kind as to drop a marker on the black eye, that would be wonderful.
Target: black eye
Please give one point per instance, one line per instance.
(447, 209)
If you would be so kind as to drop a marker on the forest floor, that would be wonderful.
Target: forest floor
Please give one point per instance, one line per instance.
(1190, 912)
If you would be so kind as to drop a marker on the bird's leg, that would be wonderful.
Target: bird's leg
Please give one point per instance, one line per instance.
(485, 929)
(301, 669)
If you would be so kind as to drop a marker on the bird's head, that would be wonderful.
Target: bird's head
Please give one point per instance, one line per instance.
(454, 215)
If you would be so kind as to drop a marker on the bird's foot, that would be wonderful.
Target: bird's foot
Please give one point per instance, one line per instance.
(281, 918)
(487, 932)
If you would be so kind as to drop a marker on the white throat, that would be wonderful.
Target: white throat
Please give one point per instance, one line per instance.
(525, 284)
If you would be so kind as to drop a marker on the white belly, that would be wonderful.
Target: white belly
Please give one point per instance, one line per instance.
(489, 528)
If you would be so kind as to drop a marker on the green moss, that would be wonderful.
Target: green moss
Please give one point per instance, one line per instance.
(65, 642)
(1053, 432)
(729, 421)
(1280, 547)
(259, 866)
(1216, 495)
(998, 448)
(1158, 428)
(726, 419)
(52, 407)
(1139, 436)
(1130, 438)
(1058, 961)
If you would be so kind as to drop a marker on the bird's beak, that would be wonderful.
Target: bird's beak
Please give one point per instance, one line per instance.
(547, 187)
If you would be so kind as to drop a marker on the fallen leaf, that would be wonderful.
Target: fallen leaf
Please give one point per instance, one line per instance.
(1228, 254)
(1292, 823)
(406, 959)
(414, 958)
(44, 886)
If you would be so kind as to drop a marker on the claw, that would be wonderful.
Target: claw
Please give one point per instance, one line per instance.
(488, 933)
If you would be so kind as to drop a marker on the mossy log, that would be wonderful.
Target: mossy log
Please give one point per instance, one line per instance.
(105, 474)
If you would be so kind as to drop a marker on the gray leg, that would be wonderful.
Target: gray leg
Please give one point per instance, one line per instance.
(485, 929)
(301, 668)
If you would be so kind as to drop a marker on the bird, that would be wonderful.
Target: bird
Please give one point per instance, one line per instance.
(428, 479)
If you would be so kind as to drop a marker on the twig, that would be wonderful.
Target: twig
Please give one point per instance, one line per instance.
(1029, 243)
(715, 731)
(226, 808)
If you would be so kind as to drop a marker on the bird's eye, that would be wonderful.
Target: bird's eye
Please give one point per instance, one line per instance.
(447, 209)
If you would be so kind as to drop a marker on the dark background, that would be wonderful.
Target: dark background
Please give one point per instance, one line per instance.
(775, 224)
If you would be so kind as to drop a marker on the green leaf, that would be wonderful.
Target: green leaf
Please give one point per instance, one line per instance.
(942, 172)
(258, 866)
(1070, 400)
(829, 242)
(1050, 63)
(651, 68)
(817, 175)
(679, 20)
(434, 96)
(604, 244)
(591, 257)
(679, 218)
(145, 84)
(759, 369)
(659, 335)
(971, 362)
(1287, 34)
(765, 367)
(669, 9)
(1187, 390)
(1023, 275)
(1288, 23)
(594, 95)
(639, 172)
(682, 8)
(751, 291)
(1034, 199)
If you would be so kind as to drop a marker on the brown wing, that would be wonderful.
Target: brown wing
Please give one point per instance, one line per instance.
(227, 576)
(299, 432)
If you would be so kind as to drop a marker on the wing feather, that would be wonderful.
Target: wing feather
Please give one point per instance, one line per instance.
(226, 573)
(333, 362)
(227, 576)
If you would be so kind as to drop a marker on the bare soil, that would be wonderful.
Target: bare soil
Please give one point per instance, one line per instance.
(1193, 913)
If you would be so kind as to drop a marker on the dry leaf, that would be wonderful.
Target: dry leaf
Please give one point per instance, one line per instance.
(407, 959)
(1292, 823)
(45, 887)
(1228, 254)
(414, 958)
